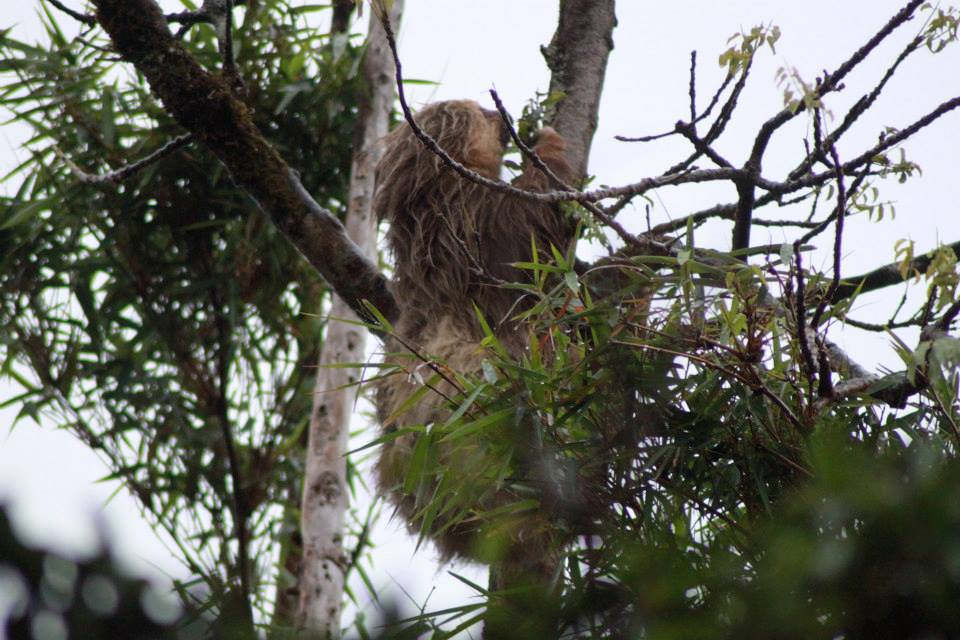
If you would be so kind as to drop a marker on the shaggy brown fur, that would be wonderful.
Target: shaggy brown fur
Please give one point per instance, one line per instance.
(453, 241)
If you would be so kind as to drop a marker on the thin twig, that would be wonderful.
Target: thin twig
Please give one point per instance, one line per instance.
(878, 328)
(185, 18)
(858, 109)
(119, 175)
(692, 91)
(746, 186)
(229, 64)
(531, 154)
(841, 213)
(726, 111)
(238, 494)
(527, 152)
(496, 185)
(800, 315)
(76, 15)
(713, 103)
(428, 141)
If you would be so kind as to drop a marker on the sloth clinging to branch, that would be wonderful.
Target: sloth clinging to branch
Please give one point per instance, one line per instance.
(454, 243)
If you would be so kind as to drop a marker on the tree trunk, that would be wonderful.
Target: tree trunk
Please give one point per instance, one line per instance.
(325, 498)
(577, 58)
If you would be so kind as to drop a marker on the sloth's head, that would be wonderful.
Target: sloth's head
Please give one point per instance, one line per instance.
(473, 136)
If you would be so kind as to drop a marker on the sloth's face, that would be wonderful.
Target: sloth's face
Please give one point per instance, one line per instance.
(503, 129)
(490, 137)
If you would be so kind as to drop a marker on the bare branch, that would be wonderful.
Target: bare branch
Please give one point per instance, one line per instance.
(692, 90)
(726, 111)
(529, 153)
(800, 318)
(689, 132)
(858, 109)
(119, 175)
(694, 118)
(76, 15)
(746, 186)
(432, 145)
(569, 193)
(832, 81)
(841, 213)
(886, 143)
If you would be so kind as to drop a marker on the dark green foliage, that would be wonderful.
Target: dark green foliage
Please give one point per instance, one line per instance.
(164, 320)
(703, 489)
(868, 550)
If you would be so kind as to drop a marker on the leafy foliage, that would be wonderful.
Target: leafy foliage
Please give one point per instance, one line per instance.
(164, 321)
(709, 494)
(713, 468)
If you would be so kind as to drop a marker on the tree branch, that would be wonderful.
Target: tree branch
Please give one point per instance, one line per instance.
(76, 15)
(885, 276)
(119, 175)
(204, 105)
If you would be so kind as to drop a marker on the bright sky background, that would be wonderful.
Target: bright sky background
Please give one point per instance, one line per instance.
(472, 45)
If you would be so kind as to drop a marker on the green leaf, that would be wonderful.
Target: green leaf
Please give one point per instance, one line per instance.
(21, 214)
(465, 405)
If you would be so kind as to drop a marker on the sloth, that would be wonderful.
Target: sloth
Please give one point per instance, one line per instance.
(454, 244)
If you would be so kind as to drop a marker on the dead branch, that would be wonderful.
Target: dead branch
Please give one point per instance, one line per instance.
(119, 175)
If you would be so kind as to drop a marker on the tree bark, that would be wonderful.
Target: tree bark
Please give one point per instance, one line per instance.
(204, 105)
(577, 58)
(325, 498)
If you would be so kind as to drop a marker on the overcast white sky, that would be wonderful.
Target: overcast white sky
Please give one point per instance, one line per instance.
(472, 45)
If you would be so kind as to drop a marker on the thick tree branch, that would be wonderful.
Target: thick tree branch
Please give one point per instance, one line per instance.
(885, 276)
(204, 105)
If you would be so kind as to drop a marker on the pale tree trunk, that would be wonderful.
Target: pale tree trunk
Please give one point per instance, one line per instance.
(325, 498)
